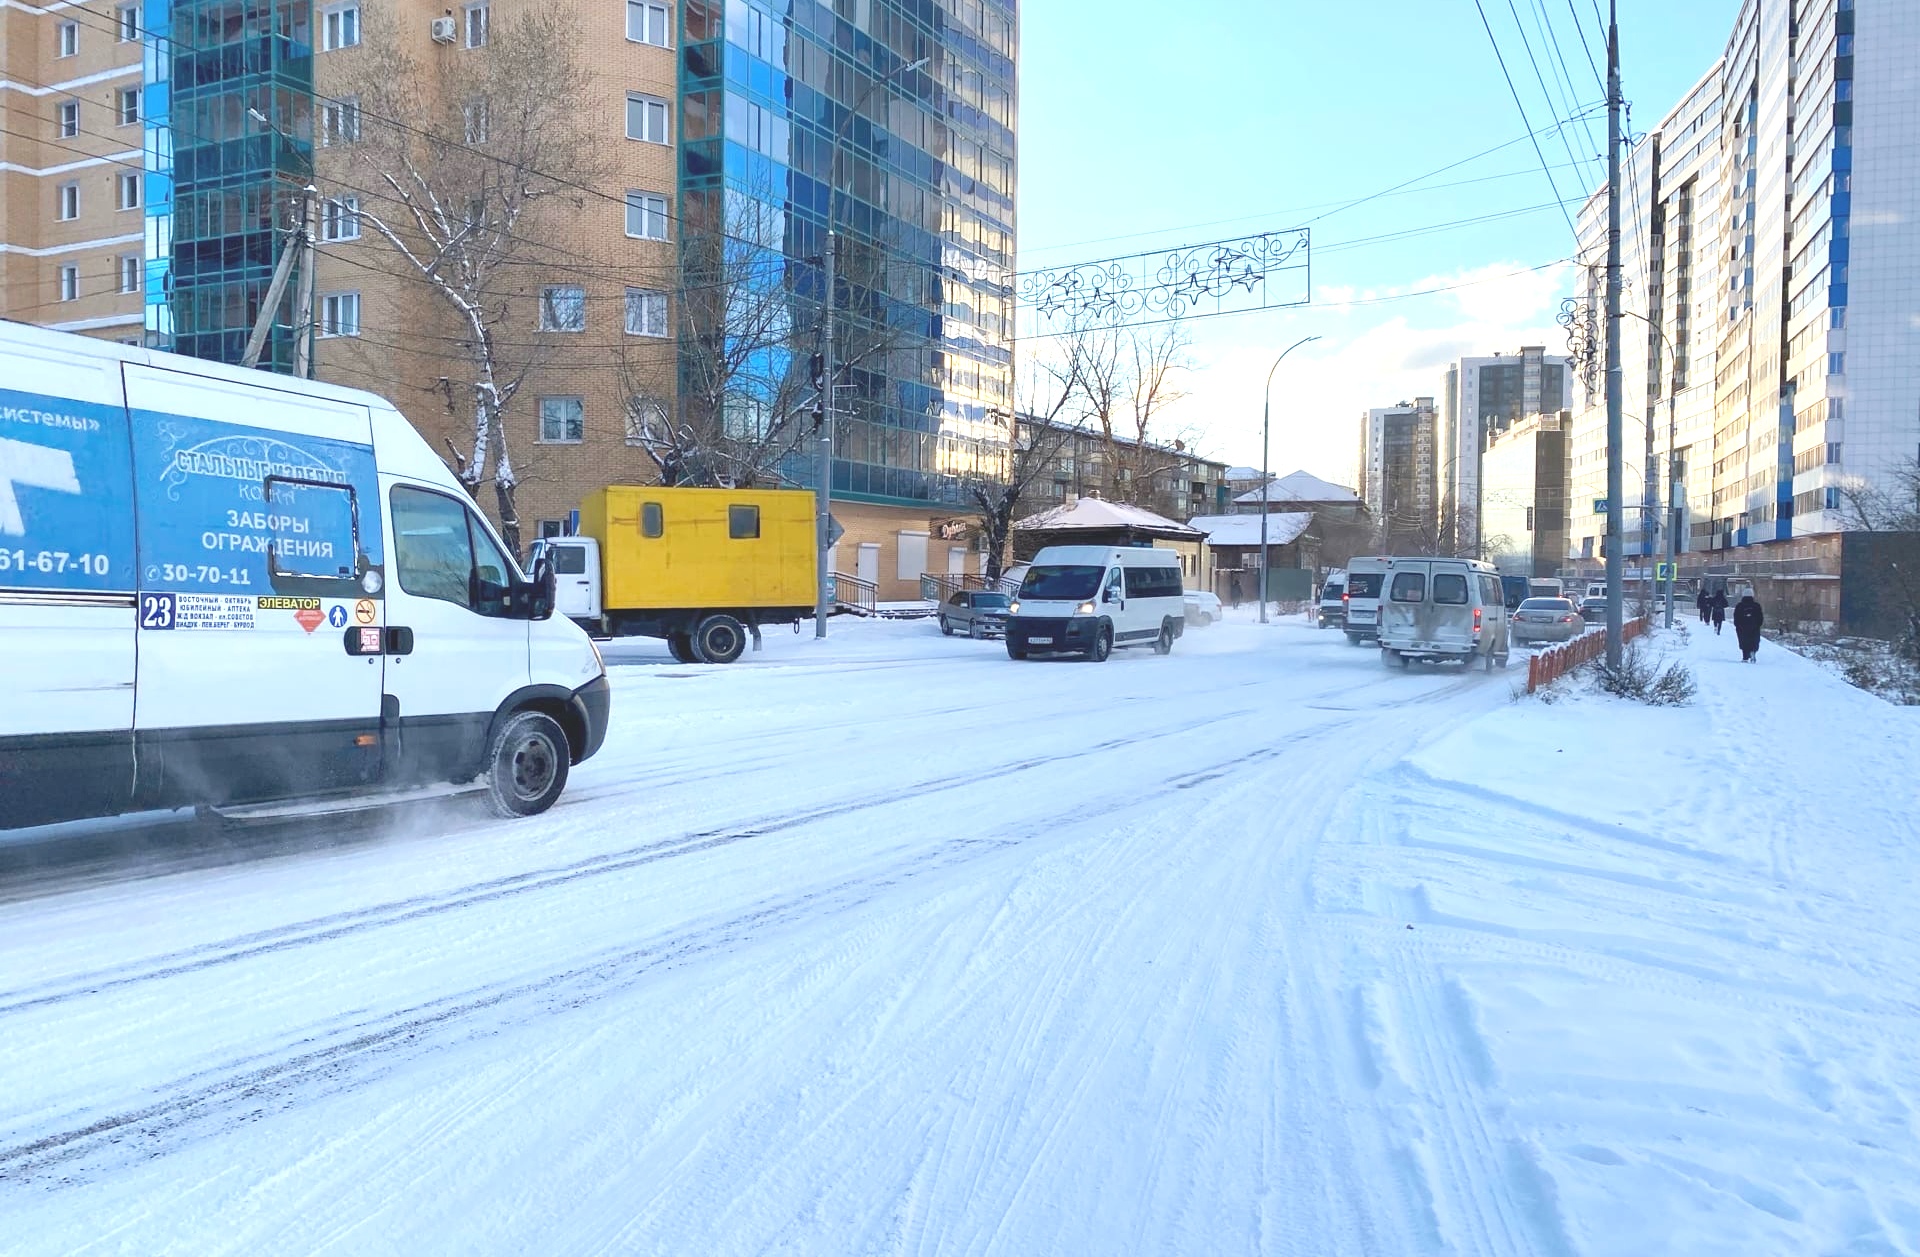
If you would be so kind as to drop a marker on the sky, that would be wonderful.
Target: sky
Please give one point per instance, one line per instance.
(1147, 126)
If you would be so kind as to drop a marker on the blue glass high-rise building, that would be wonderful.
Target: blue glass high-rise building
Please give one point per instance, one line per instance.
(925, 214)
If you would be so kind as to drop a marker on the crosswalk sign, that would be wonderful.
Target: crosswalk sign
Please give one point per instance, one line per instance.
(1664, 571)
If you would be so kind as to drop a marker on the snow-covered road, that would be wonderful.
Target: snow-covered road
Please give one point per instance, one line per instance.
(892, 945)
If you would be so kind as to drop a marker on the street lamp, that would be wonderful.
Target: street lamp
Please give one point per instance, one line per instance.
(823, 408)
(1266, 484)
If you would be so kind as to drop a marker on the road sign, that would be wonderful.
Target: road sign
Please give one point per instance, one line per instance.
(1599, 506)
(1664, 571)
(834, 532)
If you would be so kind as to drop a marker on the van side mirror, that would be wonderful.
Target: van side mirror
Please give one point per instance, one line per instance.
(540, 588)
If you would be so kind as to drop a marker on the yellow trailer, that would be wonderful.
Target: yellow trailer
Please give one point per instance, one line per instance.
(698, 567)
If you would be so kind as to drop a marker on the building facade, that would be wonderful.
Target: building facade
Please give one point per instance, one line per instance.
(1399, 474)
(1169, 480)
(1523, 496)
(169, 142)
(1483, 398)
(72, 187)
(1770, 270)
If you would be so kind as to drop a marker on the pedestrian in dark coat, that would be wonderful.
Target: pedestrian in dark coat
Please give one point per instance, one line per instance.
(1233, 590)
(1705, 604)
(1747, 619)
(1719, 605)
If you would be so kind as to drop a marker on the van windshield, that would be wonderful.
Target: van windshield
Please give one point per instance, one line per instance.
(1363, 584)
(1061, 583)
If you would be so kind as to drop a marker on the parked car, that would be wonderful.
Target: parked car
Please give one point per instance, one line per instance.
(1091, 600)
(1333, 601)
(1546, 620)
(975, 612)
(1203, 608)
(1438, 609)
(1594, 609)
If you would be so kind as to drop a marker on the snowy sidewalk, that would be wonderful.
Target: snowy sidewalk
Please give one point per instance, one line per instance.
(1631, 980)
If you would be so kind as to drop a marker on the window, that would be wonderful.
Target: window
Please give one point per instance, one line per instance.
(69, 283)
(563, 420)
(126, 188)
(653, 520)
(1153, 582)
(646, 312)
(1408, 587)
(69, 36)
(69, 115)
(563, 308)
(126, 107)
(647, 119)
(647, 22)
(340, 314)
(475, 118)
(1490, 592)
(340, 28)
(440, 550)
(69, 202)
(130, 273)
(474, 23)
(320, 519)
(646, 216)
(340, 218)
(340, 121)
(127, 21)
(743, 522)
(569, 560)
(645, 416)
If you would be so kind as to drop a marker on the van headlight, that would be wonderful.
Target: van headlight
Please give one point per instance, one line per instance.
(1013, 608)
(1085, 608)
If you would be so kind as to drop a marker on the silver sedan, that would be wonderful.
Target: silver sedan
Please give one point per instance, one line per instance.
(1546, 620)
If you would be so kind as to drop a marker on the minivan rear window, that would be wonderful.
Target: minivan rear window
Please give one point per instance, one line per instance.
(1409, 587)
(1450, 589)
(1363, 585)
(1061, 583)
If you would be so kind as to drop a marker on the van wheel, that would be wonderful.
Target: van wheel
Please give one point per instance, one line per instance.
(1163, 644)
(1502, 660)
(1354, 639)
(719, 639)
(1487, 667)
(1102, 645)
(527, 765)
(1015, 650)
(680, 645)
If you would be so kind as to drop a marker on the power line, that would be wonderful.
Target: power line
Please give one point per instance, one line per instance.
(1531, 133)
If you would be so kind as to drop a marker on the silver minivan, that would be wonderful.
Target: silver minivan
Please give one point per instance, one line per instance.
(1444, 609)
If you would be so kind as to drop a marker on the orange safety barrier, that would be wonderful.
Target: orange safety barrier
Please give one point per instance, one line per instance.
(1548, 666)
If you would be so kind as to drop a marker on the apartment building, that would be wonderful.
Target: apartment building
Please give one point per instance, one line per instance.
(1167, 479)
(1523, 496)
(1771, 275)
(1399, 473)
(1483, 398)
(219, 115)
(71, 172)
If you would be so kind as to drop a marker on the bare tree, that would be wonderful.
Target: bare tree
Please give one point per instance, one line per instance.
(1130, 381)
(1892, 507)
(470, 151)
(1036, 436)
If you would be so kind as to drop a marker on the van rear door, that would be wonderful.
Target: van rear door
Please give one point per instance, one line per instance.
(66, 587)
(261, 557)
(1451, 596)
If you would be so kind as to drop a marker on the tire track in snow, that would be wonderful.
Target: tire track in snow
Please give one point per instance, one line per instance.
(327, 1058)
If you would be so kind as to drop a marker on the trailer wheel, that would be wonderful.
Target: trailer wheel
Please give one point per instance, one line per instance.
(719, 639)
(681, 647)
(528, 765)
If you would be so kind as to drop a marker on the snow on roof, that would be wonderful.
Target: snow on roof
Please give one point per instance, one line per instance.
(1244, 530)
(1097, 515)
(1243, 473)
(1302, 486)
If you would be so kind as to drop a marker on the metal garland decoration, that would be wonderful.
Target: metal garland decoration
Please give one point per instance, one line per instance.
(1271, 270)
(1582, 322)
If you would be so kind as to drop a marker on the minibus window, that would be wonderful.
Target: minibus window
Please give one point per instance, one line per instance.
(1450, 589)
(1409, 587)
(313, 528)
(431, 550)
(1061, 583)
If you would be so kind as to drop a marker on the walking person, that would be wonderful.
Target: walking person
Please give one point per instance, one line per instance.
(1233, 590)
(1719, 606)
(1704, 603)
(1747, 619)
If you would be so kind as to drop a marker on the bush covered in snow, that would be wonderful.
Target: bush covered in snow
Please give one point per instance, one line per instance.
(1641, 676)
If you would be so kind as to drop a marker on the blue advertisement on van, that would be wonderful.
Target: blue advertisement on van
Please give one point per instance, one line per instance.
(66, 517)
(238, 510)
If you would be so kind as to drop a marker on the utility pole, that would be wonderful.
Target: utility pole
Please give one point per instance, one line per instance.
(1266, 480)
(303, 292)
(270, 304)
(823, 424)
(1615, 433)
(1673, 493)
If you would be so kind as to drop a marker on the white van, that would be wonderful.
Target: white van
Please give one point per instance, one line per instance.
(220, 587)
(1366, 579)
(1444, 609)
(1089, 600)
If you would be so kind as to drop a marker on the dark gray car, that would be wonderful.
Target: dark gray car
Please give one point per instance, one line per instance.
(975, 612)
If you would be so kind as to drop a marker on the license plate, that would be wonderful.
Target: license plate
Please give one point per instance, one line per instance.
(1040, 641)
